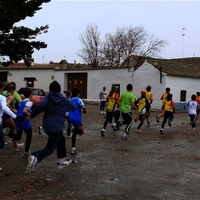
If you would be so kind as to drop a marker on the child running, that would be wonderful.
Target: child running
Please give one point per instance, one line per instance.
(112, 110)
(75, 117)
(163, 98)
(126, 102)
(192, 110)
(169, 110)
(24, 111)
(143, 107)
(3, 109)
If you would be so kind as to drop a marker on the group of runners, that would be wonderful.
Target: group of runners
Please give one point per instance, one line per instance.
(122, 105)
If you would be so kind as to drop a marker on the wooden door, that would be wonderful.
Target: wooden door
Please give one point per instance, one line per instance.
(78, 80)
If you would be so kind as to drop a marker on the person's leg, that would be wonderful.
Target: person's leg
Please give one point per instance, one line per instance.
(77, 130)
(2, 143)
(17, 137)
(28, 133)
(192, 120)
(142, 119)
(53, 138)
(11, 124)
(116, 118)
(61, 148)
(103, 106)
(108, 119)
(166, 115)
(127, 120)
(1, 138)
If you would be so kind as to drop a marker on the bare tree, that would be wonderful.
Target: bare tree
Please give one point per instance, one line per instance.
(90, 40)
(117, 48)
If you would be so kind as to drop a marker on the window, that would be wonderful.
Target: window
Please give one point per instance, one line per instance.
(183, 95)
(30, 81)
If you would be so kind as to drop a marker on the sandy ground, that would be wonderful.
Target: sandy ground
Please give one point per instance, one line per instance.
(146, 166)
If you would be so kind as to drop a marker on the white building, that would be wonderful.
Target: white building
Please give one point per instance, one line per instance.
(181, 75)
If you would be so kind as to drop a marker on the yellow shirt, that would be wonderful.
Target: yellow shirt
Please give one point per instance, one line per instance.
(168, 106)
(141, 106)
(164, 97)
(149, 97)
(111, 102)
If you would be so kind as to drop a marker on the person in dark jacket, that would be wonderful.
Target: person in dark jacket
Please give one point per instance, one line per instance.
(54, 105)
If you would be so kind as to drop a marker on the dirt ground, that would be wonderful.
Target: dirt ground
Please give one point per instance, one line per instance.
(146, 166)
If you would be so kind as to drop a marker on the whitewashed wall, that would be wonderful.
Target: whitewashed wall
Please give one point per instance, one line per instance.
(145, 75)
(97, 78)
(43, 76)
(191, 85)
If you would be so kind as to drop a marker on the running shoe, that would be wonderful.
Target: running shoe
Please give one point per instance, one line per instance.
(32, 160)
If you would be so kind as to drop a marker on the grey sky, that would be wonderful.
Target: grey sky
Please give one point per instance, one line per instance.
(165, 19)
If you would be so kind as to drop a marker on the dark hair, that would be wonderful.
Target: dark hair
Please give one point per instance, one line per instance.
(10, 86)
(129, 87)
(197, 93)
(112, 91)
(193, 97)
(75, 92)
(148, 88)
(167, 89)
(27, 92)
(169, 97)
(68, 92)
(54, 87)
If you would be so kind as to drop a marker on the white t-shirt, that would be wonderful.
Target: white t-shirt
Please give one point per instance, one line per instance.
(192, 107)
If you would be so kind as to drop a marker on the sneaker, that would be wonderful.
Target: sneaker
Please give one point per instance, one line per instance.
(1, 169)
(103, 132)
(64, 163)
(161, 131)
(170, 122)
(114, 127)
(125, 138)
(19, 146)
(69, 136)
(73, 152)
(104, 112)
(5, 142)
(101, 112)
(26, 154)
(193, 129)
(32, 160)
(10, 140)
(138, 131)
(148, 124)
(6, 131)
(157, 119)
(118, 125)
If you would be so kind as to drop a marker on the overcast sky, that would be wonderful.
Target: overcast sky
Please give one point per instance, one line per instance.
(68, 18)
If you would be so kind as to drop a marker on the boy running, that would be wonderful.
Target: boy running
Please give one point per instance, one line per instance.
(126, 102)
(169, 110)
(75, 117)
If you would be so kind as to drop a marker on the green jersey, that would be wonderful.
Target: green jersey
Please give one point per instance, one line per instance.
(16, 96)
(126, 99)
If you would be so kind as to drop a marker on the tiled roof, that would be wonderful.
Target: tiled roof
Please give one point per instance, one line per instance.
(35, 66)
(185, 67)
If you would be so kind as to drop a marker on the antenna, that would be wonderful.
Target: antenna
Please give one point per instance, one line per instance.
(183, 35)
